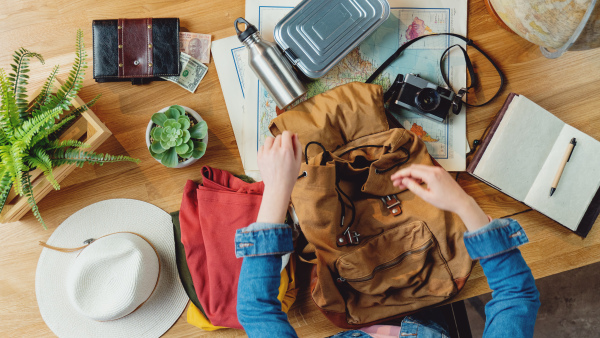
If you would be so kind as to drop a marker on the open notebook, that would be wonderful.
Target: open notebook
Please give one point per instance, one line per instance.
(521, 155)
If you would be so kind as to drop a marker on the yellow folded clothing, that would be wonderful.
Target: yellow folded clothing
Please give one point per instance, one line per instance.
(197, 318)
(287, 296)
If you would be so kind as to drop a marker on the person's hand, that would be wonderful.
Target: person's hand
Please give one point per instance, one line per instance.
(279, 162)
(441, 191)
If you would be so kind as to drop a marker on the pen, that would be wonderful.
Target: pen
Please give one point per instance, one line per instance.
(563, 163)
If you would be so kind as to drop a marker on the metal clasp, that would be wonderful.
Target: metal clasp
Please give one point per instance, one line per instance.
(348, 238)
(393, 204)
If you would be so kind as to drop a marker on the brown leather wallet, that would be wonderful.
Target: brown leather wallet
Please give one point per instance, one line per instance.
(136, 50)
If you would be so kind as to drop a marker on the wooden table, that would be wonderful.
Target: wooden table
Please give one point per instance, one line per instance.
(569, 87)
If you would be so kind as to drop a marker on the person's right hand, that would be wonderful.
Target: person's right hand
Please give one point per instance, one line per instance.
(442, 191)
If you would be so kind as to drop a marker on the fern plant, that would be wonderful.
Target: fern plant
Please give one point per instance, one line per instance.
(29, 131)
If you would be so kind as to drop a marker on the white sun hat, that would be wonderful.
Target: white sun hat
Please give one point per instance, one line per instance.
(124, 284)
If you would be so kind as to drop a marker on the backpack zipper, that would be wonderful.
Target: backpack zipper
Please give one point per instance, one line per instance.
(388, 264)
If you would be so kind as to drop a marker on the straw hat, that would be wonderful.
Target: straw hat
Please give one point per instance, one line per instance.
(123, 284)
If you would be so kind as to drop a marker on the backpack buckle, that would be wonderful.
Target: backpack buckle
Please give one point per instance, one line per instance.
(348, 238)
(393, 204)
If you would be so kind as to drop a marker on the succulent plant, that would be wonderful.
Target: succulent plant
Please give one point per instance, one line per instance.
(175, 136)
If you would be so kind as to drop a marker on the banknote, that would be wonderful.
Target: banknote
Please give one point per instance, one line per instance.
(192, 72)
(195, 44)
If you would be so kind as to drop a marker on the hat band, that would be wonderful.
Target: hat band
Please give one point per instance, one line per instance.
(91, 240)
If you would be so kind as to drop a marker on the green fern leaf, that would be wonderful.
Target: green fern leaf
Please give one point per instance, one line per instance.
(18, 80)
(8, 108)
(75, 114)
(5, 186)
(18, 152)
(56, 144)
(12, 158)
(74, 82)
(32, 126)
(31, 200)
(7, 161)
(42, 161)
(49, 132)
(79, 158)
(46, 90)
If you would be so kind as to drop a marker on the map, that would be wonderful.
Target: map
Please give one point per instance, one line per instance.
(240, 61)
(408, 19)
(417, 129)
(404, 24)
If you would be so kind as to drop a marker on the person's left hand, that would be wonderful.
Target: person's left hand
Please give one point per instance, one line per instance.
(279, 162)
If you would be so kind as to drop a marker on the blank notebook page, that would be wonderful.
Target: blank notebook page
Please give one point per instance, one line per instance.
(519, 148)
(578, 183)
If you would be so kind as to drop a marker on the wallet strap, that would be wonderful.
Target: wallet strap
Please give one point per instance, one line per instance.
(135, 48)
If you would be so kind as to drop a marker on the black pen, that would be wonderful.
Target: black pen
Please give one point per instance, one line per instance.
(563, 163)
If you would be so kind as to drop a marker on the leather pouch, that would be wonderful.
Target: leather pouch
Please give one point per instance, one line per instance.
(136, 50)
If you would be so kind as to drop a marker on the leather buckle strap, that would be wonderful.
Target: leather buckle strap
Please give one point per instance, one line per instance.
(348, 238)
(135, 48)
(393, 204)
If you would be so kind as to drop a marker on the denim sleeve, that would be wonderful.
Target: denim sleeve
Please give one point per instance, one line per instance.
(258, 309)
(261, 239)
(515, 299)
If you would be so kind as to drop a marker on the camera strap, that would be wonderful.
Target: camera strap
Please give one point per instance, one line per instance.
(474, 80)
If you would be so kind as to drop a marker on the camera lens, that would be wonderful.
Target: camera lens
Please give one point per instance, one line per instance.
(427, 99)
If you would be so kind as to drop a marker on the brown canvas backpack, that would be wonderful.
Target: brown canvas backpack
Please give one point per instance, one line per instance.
(381, 252)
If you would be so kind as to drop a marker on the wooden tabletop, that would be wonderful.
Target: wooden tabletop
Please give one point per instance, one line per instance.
(569, 87)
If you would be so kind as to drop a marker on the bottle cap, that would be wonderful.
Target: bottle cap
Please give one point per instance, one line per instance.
(250, 29)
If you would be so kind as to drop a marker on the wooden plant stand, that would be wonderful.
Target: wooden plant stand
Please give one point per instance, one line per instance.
(86, 128)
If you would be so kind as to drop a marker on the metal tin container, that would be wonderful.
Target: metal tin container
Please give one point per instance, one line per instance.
(317, 34)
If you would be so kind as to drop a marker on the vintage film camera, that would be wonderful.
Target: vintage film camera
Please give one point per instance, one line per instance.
(423, 97)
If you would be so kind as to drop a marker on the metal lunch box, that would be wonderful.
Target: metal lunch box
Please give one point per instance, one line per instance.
(317, 34)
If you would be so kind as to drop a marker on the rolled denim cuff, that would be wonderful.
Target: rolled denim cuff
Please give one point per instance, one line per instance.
(499, 236)
(262, 239)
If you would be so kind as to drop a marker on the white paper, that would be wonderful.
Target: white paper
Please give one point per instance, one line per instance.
(231, 57)
(231, 61)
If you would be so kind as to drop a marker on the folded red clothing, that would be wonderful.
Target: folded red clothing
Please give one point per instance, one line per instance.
(209, 216)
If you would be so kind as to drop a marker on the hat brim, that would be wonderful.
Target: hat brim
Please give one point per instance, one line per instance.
(155, 316)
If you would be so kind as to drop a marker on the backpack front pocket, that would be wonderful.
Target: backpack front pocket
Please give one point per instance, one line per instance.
(402, 263)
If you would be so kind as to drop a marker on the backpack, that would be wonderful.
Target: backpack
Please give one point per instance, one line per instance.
(380, 252)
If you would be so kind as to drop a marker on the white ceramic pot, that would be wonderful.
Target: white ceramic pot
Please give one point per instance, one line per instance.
(196, 116)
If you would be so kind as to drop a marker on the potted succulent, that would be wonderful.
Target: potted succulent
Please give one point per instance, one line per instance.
(176, 136)
(30, 132)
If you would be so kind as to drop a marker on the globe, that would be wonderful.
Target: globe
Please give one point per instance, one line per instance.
(551, 24)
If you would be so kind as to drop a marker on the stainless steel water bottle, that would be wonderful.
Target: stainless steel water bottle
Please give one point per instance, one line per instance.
(270, 66)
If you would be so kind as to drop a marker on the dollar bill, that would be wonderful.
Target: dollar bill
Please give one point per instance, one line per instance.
(195, 44)
(192, 72)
